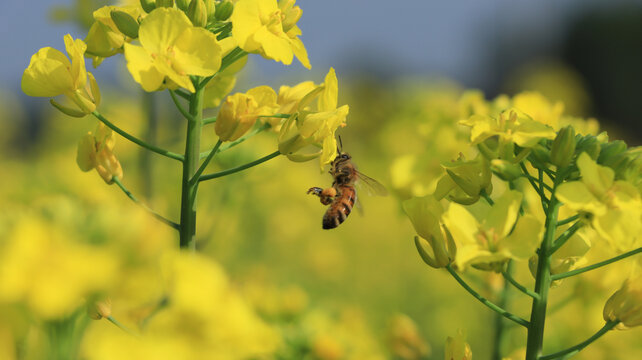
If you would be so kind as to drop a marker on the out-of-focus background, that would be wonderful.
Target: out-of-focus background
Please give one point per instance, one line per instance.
(402, 67)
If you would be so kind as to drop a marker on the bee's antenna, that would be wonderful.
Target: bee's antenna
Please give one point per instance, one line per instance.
(340, 147)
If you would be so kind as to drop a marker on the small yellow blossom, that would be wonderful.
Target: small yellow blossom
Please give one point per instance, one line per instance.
(95, 151)
(405, 340)
(512, 126)
(539, 108)
(104, 39)
(615, 205)
(501, 234)
(43, 267)
(268, 28)
(240, 111)
(625, 305)
(457, 348)
(50, 73)
(204, 318)
(171, 48)
(312, 125)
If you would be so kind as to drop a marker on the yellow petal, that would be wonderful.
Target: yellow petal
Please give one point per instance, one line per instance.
(246, 21)
(597, 178)
(161, 28)
(274, 47)
(328, 98)
(197, 52)
(577, 196)
(299, 51)
(141, 66)
(525, 238)
(48, 74)
(503, 213)
(85, 154)
(76, 51)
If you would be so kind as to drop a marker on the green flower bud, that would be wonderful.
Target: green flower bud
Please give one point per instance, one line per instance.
(210, 5)
(540, 155)
(563, 147)
(197, 13)
(165, 3)
(148, 5)
(611, 151)
(505, 170)
(182, 4)
(590, 145)
(125, 23)
(224, 10)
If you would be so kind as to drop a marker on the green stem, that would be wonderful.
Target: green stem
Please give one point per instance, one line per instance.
(596, 265)
(562, 239)
(206, 162)
(239, 168)
(209, 120)
(147, 208)
(568, 220)
(535, 338)
(190, 188)
(180, 107)
(485, 301)
(119, 325)
(530, 180)
(500, 328)
(257, 130)
(519, 286)
(182, 93)
(575, 349)
(136, 140)
(486, 197)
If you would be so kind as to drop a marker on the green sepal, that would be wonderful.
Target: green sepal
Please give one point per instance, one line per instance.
(148, 5)
(125, 23)
(165, 3)
(67, 110)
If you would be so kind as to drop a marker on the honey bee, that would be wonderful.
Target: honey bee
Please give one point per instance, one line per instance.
(342, 196)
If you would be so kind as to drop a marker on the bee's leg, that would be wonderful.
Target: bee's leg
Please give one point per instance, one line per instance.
(325, 195)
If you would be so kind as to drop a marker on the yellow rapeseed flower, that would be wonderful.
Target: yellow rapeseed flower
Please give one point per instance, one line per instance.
(625, 305)
(269, 29)
(171, 48)
(315, 125)
(512, 126)
(240, 111)
(50, 73)
(104, 39)
(615, 205)
(95, 151)
(501, 234)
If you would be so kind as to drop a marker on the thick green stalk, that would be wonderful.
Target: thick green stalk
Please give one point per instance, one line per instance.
(190, 165)
(535, 338)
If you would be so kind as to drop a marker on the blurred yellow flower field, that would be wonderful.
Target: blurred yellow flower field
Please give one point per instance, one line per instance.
(195, 238)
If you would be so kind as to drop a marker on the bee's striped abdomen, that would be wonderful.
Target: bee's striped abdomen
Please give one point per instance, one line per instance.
(340, 208)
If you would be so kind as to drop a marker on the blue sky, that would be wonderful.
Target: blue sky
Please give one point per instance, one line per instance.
(402, 38)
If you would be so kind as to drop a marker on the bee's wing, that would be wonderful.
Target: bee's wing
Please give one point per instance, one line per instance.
(371, 186)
